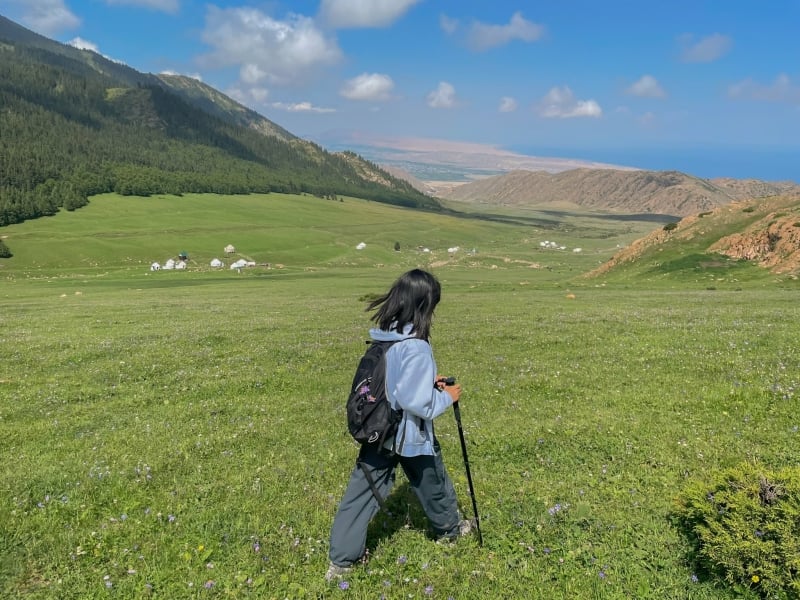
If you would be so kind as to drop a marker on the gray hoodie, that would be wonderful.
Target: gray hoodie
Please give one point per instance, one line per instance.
(410, 375)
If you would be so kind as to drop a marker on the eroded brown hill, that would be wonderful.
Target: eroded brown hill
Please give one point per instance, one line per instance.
(661, 192)
(765, 231)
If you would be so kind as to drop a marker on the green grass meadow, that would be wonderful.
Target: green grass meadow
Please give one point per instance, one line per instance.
(181, 434)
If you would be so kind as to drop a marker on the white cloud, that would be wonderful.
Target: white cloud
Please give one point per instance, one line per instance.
(448, 25)
(82, 44)
(192, 75)
(343, 14)
(561, 103)
(301, 107)
(781, 90)
(252, 97)
(444, 96)
(252, 74)
(46, 17)
(368, 86)
(647, 87)
(647, 119)
(507, 104)
(167, 6)
(280, 52)
(483, 36)
(707, 49)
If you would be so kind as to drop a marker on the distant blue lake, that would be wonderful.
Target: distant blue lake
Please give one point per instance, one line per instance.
(741, 163)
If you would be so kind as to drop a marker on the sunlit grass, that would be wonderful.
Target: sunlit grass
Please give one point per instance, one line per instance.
(182, 435)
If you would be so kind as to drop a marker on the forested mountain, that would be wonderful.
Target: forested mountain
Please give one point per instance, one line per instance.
(74, 124)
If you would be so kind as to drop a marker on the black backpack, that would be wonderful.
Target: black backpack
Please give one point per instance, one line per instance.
(370, 417)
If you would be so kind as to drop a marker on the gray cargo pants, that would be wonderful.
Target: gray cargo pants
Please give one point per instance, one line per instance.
(426, 475)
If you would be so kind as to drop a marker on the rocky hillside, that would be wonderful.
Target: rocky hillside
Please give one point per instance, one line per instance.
(764, 231)
(628, 191)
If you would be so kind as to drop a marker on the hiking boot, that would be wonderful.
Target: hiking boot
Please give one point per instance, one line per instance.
(335, 572)
(465, 527)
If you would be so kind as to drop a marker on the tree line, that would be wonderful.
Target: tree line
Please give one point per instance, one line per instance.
(67, 133)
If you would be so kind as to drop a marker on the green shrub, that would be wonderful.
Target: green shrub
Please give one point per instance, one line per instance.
(746, 526)
(670, 226)
(4, 250)
(749, 209)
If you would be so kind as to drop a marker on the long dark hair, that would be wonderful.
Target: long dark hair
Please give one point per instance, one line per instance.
(411, 299)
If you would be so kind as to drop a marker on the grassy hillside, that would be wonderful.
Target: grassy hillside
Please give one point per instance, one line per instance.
(119, 237)
(755, 240)
(73, 128)
(181, 434)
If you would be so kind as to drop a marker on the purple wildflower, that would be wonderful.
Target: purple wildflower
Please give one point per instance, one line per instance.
(602, 574)
(171, 518)
(428, 590)
(209, 584)
(694, 578)
(343, 585)
(402, 559)
(256, 547)
(546, 550)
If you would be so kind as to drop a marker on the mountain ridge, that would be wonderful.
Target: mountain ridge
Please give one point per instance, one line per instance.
(76, 123)
(629, 191)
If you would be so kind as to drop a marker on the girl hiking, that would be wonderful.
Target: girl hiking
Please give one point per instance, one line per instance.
(403, 315)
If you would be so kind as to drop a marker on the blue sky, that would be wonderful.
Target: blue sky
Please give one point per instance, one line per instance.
(708, 87)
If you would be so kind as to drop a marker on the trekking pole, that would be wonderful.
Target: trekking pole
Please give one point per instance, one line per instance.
(457, 413)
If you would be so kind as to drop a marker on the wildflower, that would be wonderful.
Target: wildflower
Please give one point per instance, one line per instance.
(694, 578)
(209, 584)
(343, 585)
(200, 548)
(402, 559)
(602, 574)
(759, 533)
(171, 518)
(546, 550)
(428, 590)
(755, 578)
(256, 547)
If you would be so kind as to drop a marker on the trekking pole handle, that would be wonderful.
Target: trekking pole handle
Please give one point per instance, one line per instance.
(447, 380)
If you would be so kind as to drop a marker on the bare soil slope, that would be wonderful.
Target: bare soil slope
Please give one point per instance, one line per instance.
(624, 191)
(766, 231)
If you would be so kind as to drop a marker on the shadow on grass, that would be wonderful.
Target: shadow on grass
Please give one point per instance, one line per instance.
(403, 510)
